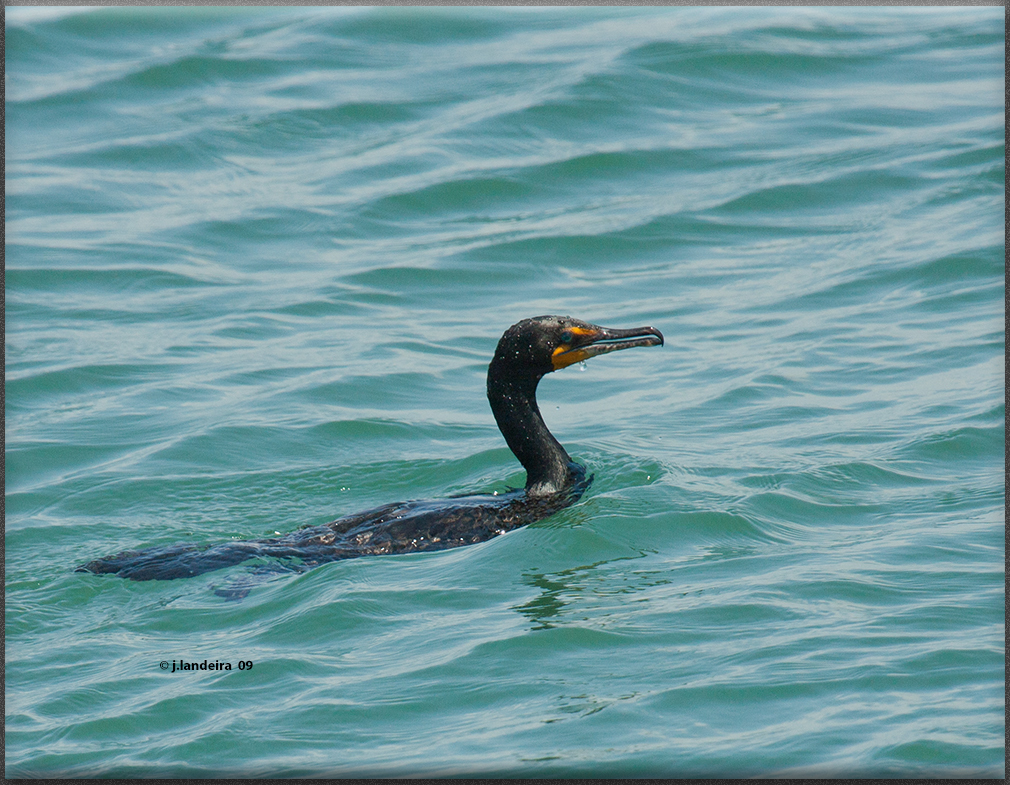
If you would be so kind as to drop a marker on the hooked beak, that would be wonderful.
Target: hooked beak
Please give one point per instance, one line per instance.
(591, 341)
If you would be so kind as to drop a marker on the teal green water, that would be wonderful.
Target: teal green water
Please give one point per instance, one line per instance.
(257, 261)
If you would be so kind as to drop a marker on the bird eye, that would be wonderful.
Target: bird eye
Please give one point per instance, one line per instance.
(566, 336)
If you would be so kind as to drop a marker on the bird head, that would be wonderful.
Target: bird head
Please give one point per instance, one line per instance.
(549, 343)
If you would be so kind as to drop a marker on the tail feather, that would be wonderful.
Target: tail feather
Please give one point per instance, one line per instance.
(174, 561)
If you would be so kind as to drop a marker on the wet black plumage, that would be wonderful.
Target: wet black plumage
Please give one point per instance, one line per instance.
(526, 352)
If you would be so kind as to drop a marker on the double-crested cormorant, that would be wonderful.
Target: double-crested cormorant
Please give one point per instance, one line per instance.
(526, 352)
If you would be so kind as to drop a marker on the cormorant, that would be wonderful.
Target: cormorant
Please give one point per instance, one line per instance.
(526, 352)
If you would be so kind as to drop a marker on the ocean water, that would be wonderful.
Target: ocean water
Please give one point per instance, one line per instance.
(257, 261)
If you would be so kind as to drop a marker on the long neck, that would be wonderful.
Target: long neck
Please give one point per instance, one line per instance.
(513, 399)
